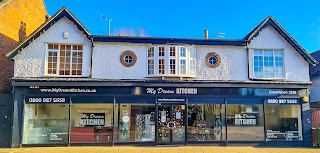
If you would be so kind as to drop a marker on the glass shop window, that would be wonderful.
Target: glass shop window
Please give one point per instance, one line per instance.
(283, 122)
(91, 123)
(46, 124)
(245, 122)
(136, 123)
(205, 122)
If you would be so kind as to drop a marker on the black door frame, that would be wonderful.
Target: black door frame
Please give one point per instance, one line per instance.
(5, 120)
(185, 120)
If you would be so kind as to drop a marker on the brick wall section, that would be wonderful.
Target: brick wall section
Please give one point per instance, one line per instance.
(18, 19)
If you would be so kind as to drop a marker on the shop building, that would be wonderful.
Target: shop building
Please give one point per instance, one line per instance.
(74, 88)
(19, 18)
(314, 97)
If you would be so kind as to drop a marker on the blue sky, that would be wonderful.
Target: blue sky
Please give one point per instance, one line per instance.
(188, 19)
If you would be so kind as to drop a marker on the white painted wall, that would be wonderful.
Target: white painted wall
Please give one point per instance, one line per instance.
(106, 61)
(106, 57)
(31, 61)
(296, 68)
(315, 90)
(233, 66)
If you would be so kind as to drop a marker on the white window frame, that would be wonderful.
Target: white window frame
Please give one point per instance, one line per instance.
(173, 58)
(151, 58)
(274, 65)
(167, 58)
(185, 58)
(194, 59)
(58, 60)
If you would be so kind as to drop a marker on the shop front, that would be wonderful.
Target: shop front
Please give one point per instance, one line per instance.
(159, 115)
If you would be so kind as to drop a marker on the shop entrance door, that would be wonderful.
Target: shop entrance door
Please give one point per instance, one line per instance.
(3, 127)
(171, 128)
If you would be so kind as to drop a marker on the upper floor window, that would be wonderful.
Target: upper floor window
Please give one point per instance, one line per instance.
(64, 60)
(171, 61)
(268, 64)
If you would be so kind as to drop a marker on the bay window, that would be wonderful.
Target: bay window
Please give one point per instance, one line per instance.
(171, 61)
(268, 64)
(64, 60)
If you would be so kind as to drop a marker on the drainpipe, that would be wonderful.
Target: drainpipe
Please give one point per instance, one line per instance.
(248, 60)
(91, 63)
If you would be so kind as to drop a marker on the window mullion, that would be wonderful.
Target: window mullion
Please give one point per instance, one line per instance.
(282, 61)
(71, 54)
(58, 60)
(274, 64)
(179, 58)
(166, 61)
(263, 63)
(156, 60)
(187, 61)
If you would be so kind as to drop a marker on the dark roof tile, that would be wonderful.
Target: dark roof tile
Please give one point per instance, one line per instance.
(315, 70)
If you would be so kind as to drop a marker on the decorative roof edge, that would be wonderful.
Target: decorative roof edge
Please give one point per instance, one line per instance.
(157, 40)
(272, 22)
(63, 12)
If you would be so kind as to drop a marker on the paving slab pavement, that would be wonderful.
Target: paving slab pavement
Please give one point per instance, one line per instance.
(154, 149)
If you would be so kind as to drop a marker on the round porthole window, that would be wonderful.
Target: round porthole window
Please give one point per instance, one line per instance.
(128, 58)
(213, 60)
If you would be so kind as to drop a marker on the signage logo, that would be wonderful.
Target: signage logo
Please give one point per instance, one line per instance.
(92, 119)
(245, 119)
(178, 91)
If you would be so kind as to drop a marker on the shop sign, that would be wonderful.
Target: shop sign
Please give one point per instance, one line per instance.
(46, 99)
(57, 136)
(161, 90)
(283, 92)
(245, 119)
(288, 135)
(63, 89)
(92, 119)
(281, 101)
(177, 91)
(171, 100)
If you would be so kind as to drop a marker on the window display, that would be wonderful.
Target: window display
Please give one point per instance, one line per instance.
(283, 122)
(136, 123)
(91, 123)
(46, 124)
(205, 122)
(245, 122)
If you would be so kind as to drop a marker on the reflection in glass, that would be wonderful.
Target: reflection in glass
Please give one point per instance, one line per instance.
(164, 119)
(283, 122)
(204, 122)
(46, 124)
(136, 123)
(245, 122)
(178, 131)
(91, 123)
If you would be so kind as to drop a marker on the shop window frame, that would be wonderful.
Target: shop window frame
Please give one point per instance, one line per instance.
(301, 117)
(80, 99)
(68, 102)
(211, 101)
